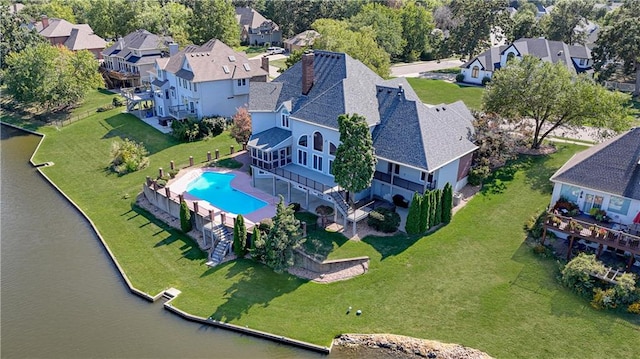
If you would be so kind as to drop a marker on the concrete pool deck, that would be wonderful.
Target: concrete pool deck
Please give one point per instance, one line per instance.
(241, 181)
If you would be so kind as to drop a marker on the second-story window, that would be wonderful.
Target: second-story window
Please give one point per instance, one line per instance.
(285, 120)
(195, 87)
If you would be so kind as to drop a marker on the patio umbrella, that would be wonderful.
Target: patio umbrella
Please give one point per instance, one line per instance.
(637, 219)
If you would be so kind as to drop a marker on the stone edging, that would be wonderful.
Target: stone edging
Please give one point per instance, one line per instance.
(150, 298)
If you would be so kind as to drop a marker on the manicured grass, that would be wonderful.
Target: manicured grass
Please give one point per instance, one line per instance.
(280, 63)
(472, 282)
(436, 92)
(252, 50)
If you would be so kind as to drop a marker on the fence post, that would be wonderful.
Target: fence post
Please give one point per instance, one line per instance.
(232, 150)
(208, 156)
(217, 153)
(190, 161)
(160, 172)
(172, 165)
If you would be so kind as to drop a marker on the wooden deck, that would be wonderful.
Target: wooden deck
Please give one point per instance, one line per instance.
(613, 236)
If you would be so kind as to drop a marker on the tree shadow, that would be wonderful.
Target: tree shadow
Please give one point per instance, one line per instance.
(125, 125)
(538, 173)
(189, 248)
(393, 245)
(255, 284)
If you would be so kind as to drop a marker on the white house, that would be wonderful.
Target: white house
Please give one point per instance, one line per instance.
(207, 80)
(576, 57)
(128, 61)
(295, 130)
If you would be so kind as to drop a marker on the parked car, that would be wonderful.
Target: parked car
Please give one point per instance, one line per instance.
(275, 50)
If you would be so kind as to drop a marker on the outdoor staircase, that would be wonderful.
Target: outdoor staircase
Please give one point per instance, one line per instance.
(341, 203)
(225, 240)
(105, 75)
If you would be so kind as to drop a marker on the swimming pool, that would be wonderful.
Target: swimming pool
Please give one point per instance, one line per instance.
(216, 189)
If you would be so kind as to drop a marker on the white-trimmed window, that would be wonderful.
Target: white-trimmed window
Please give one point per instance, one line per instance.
(317, 162)
(285, 120)
(302, 141)
(619, 205)
(317, 141)
(475, 72)
(302, 158)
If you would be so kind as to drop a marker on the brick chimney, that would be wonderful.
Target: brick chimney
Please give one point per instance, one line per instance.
(264, 64)
(307, 72)
(45, 22)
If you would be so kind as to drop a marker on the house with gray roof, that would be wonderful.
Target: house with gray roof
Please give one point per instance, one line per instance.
(75, 37)
(605, 176)
(128, 61)
(255, 29)
(295, 131)
(201, 81)
(576, 57)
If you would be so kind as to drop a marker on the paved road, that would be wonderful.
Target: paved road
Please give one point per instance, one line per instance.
(414, 69)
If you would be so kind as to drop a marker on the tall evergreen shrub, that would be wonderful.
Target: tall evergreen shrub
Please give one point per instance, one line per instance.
(438, 206)
(447, 203)
(425, 209)
(413, 217)
(185, 217)
(239, 237)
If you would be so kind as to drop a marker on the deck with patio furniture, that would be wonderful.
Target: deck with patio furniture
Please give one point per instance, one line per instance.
(614, 236)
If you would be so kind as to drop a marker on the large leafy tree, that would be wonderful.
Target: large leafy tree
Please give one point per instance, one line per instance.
(386, 25)
(355, 161)
(361, 45)
(295, 16)
(550, 96)
(13, 36)
(619, 42)
(524, 24)
(53, 8)
(474, 22)
(51, 77)
(285, 236)
(213, 19)
(560, 24)
(110, 18)
(417, 24)
(241, 128)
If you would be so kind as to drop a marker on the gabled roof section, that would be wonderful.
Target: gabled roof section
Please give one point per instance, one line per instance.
(612, 166)
(263, 96)
(138, 40)
(266, 140)
(420, 136)
(210, 61)
(305, 38)
(487, 59)
(251, 19)
(80, 39)
(62, 28)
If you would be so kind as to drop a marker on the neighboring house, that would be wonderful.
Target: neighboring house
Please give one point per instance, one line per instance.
(206, 80)
(255, 29)
(304, 39)
(295, 130)
(128, 61)
(605, 176)
(72, 36)
(577, 57)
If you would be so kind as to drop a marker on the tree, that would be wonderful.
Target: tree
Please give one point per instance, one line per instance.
(14, 37)
(524, 24)
(110, 18)
(474, 22)
(294, 57)
(295, 16)
(561, 23)
(447, 203)
(361, 45)
(51, 77)
(619, 42)
(549, 96)
(239, 237)
(386, 25)
(241, 128)
(53, 8)
(185, 217)
(425, 209)
(433, 199)
(213, 19)
(128, 156)
(283, 239)
(258, 249)
(413, 217)
(355, 161)
(417, 24)
(438, 209)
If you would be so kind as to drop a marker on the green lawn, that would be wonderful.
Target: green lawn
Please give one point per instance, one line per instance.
(280, 63)
(437, 92)
(472, 282)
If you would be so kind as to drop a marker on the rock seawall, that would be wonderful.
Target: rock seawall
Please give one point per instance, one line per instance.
(399, 346)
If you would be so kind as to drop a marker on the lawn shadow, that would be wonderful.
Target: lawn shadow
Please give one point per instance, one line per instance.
(189, 248)
(125, 125)
(389, 246)
(538, 172)
(319, 242)
(254, 285)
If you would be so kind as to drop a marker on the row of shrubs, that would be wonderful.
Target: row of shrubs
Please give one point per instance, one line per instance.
(384, 220)
(578, 275)
(485, 80)
(191, 130)
(429, 210)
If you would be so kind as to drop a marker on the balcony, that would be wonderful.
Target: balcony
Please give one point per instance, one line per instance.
(401, 182)
(613, 235)
(180, 112)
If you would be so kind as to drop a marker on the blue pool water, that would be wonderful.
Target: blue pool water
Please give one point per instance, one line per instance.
(216, 189)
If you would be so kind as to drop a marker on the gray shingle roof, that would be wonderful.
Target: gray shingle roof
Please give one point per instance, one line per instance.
(612, 166)
(550, 51)
(251, 19)
(140, 40)
(270, 138)
(407, 131)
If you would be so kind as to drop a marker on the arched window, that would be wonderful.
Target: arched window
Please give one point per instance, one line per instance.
(332, 149)
(317, 141)
(474, 72)
(302, 142)
(510, 56)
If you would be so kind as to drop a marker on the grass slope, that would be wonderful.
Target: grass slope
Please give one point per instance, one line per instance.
(436, 92)
(473, 282)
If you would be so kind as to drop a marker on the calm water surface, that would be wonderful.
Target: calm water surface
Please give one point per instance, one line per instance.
(61, 297)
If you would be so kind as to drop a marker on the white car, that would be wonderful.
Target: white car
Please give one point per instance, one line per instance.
(275, 50)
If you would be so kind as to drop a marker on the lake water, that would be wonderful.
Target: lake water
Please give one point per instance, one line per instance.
(63, 298)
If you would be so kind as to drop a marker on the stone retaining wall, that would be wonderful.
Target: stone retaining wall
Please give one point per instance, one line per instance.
(307, 262)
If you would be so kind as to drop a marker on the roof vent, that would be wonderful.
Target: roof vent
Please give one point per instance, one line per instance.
(437, 109)
(207, 54)
(444, 109)
(560, 53)
(232, 58)
(246, 67)
(225, 68)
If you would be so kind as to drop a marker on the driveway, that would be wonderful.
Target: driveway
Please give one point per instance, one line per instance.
(414, 69)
